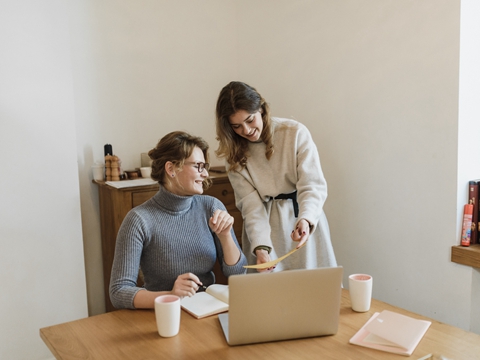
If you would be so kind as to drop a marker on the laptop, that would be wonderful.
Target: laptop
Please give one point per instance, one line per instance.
(282, 305)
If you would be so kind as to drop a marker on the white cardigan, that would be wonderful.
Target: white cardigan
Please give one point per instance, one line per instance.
(294, 166)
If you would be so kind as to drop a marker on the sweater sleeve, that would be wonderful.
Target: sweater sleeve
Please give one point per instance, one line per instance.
(252, 207)
(228, 269)
(234, 269)
(311, 184)
(126, 262)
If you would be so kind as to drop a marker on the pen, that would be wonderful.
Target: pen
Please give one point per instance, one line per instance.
(199, 286)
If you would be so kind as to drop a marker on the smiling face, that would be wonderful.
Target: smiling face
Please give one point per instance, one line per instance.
(247, 125)
(187, 180)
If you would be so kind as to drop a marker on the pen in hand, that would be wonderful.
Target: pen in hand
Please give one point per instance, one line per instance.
(199, 285)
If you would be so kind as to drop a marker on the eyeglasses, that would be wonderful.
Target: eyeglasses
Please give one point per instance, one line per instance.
(200, 166)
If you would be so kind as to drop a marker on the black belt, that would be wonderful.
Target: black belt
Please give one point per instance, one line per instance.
(293, 197)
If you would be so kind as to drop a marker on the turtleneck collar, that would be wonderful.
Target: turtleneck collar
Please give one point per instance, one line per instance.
(171, 202)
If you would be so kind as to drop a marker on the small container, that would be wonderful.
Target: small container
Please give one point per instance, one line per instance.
(98, 171)
(467, 224)
(146, 172)
(132, 174)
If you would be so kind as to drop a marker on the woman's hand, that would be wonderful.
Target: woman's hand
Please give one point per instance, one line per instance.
(186, 285)
(301, 232)
(221, 222)
(262, 257)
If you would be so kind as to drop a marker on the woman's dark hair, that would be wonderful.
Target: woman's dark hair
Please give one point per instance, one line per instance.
(176, 147)
(234, 97)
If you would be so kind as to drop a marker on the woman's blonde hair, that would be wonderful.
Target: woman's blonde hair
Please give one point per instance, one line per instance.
(234, 97)
(176, 147)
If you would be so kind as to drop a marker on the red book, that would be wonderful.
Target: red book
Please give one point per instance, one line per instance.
(473, 187)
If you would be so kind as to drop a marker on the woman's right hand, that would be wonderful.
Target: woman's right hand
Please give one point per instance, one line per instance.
(262, 257)
(186, 285)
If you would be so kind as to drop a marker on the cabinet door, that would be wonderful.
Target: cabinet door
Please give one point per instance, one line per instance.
(139, 198)
(223, 191)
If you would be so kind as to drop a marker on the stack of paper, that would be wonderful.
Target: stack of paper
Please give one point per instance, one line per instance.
(273, 262)
(391, 332)
(131, 183)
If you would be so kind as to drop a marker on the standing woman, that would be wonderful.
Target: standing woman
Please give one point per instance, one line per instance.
(275, 171)
(176, 236)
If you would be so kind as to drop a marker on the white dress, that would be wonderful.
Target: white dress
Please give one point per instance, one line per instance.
(294, 166)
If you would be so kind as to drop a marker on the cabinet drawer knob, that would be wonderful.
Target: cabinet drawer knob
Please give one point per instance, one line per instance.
(224, 192)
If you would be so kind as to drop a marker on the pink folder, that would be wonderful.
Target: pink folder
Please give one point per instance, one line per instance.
(391, 332)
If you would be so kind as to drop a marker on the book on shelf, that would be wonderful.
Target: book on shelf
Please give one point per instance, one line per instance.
(214, 300)
(473, 190)
(391, 332)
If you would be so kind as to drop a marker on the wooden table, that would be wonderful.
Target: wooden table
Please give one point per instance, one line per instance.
(132, 334)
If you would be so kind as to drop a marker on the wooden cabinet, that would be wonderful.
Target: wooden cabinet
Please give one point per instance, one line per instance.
(116, 203)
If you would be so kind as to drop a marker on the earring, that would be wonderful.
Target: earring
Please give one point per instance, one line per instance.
(173, 175)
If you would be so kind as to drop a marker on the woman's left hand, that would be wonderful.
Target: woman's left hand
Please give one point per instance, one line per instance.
(221, 222)
(301, 232)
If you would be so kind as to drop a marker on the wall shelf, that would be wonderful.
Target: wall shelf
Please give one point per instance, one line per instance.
(466, 255)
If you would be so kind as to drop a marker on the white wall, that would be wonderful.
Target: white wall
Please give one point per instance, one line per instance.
(41, 250)
(375, 81)
(468, 125)
(377, 84)
(141, 70)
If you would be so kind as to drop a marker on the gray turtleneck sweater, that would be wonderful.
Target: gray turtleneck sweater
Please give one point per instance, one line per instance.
(167, 236)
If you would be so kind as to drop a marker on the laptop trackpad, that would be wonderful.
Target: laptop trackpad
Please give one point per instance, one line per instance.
(224, 322)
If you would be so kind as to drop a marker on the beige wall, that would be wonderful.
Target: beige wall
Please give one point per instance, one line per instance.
(146, 68)
(377, 82)
(468, 126)
(42, 269)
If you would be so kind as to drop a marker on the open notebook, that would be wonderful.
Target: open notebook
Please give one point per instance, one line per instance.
(213, 300)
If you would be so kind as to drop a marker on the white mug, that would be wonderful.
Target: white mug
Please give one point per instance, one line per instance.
(146, 172)
(167, 315)
(98, 172)
(360, 288)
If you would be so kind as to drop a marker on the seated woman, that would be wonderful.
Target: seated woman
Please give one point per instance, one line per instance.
(176, 236)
